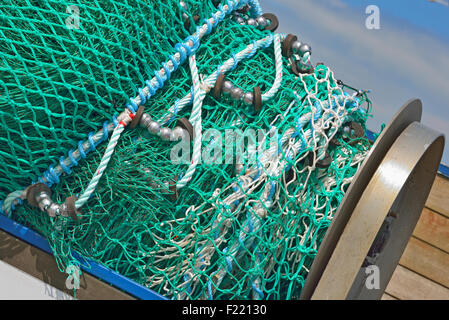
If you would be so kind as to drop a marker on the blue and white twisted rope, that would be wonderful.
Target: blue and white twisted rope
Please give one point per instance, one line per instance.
(102, 166)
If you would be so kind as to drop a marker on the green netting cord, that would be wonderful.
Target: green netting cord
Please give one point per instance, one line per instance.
(247, 231)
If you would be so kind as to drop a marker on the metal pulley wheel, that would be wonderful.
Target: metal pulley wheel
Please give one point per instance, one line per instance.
(376, 218)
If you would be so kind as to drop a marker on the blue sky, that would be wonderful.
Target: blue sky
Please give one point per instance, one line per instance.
(408, 57)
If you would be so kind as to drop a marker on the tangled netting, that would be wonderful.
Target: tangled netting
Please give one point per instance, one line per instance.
(235, 230)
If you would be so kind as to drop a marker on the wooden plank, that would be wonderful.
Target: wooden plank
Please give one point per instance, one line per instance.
(386, 296)
(42, 265)
(427, 261)
(434, 229)
(408, 285)
(439, 196)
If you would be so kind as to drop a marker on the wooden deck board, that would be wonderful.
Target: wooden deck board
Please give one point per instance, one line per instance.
(423, 271)
(386, 296)
(439, 196)
(408, 285)
(433, 228)
(427, 261)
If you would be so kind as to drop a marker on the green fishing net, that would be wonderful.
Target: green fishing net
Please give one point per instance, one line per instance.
(235, 231)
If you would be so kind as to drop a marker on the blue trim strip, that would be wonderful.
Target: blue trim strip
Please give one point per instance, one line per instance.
(370, 135)
(95, 269)
(444, 170)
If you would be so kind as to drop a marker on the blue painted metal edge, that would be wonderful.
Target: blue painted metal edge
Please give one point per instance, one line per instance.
(92, 267)
(370, 135)
(444, 170)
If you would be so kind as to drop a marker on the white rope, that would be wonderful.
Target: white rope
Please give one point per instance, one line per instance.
(278, 61)
(195, 119)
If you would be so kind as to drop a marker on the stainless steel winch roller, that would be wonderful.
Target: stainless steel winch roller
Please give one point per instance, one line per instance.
(380, 210)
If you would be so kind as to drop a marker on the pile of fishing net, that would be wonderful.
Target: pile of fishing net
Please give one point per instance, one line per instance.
(123, 125)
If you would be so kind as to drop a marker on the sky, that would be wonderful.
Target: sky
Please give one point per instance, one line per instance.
(408, 57)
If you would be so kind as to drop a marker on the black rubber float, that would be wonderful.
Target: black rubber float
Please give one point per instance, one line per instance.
(137, 117)
(274, 22)
(287, 45)
(219, 85)
(70, 207)
(321, 164)
(325, 162)
(353, 127)
(257, 99)
(358, 131)
(186, 125)
(34, 190)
